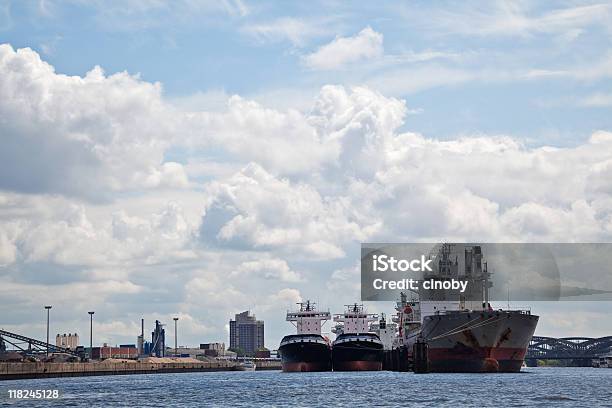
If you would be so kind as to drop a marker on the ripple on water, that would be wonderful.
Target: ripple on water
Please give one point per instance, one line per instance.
(541, 387)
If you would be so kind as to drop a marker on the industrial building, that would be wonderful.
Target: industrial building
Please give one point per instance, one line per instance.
(246, 333)
(140, 341)
(69, 341)
(104, 352)
(206, 352)
(213, 349)
(158, 340)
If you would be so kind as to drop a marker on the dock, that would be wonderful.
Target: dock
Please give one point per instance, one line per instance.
(31, 370)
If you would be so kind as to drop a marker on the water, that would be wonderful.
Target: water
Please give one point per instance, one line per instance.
(543, 387)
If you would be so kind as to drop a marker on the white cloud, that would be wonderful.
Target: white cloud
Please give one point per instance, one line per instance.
(276, 269)
(295, 30)
(282, 141)
(235, 7)
(403, 80)
(362, 122)
(346, 282)
(597, 100)
(367, 44)
(281, 191)
(265, 212)
(77, 295)
(574, 320)
(294, 143)
(104, 131)
(511, 19)
(409, 80)
(212, 291)
(8, 248)
(64, 234)
(284, 299)
(211, 101)
(495, 182)
(171, 175)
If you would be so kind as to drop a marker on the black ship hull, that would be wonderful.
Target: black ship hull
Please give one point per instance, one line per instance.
(357, 352)
(302, 353)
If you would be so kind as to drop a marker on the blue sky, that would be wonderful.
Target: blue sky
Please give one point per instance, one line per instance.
(188, 157)
(256, 50)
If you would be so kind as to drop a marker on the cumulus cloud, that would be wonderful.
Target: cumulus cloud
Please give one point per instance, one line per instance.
(283, 298)
(492, 181)
(8, 249)
(73, 295)
(65, 134)
(262, 211)
(340, 123)
(65, 234)
(362, 121)
(210, 290)
(282, 141)
(367, 44)
(280, 192)
(276, 269)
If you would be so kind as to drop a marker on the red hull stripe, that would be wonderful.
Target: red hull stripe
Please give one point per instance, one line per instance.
(303, 366)
(358, 366)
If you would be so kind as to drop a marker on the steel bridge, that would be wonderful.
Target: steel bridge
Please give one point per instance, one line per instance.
(568, 348)
(30, 345)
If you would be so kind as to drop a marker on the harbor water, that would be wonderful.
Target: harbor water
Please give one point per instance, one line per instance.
(542, 386)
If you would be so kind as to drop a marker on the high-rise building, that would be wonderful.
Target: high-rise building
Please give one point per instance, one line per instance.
(246, 333)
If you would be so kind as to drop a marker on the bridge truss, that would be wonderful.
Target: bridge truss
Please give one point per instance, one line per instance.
(550, 348)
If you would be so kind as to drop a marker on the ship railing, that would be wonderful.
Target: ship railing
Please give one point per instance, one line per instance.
(309, 314)
(523, 310)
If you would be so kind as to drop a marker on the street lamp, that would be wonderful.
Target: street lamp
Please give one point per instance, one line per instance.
(175, 338)
(90, 332)
(48, 308)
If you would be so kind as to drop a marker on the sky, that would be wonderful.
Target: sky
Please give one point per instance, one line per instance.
(200, 158)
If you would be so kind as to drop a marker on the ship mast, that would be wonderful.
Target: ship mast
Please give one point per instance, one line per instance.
(307, 319)
(355, 319)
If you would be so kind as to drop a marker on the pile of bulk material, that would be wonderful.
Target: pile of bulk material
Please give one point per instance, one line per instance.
(161, 360)
(116, 360)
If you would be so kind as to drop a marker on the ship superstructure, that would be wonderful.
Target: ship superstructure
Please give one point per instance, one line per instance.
(386, 331)
(307, 350)
(356, 347)
(462, 331)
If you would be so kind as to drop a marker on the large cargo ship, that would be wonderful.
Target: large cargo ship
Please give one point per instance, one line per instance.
(355, 347)
(307, 350)
(463, 333)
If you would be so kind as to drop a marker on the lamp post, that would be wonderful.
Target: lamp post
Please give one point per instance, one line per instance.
(90, 332)
(48, 308)
(175, 338)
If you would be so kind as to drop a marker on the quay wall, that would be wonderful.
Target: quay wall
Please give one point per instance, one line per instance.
(16, 371)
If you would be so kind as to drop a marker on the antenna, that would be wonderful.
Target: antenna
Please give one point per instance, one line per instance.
(508, 297)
